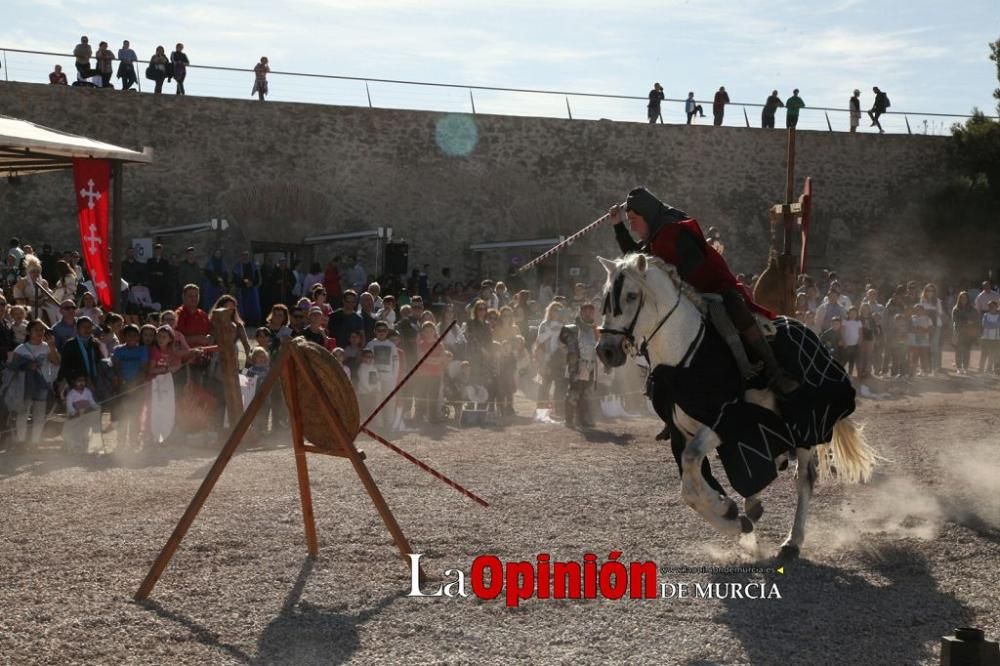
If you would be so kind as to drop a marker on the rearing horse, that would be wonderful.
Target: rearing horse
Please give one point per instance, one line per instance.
(649, 310)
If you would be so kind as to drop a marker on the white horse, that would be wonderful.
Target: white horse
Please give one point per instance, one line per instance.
(645, 300)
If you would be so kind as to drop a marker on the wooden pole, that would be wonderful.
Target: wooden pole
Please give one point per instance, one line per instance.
(235, 438)
(347, 444)
(224, 330)
(301, 465)
(789, 219)
(117, 236)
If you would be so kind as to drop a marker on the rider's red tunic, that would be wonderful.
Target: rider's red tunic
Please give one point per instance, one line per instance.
(712, 275)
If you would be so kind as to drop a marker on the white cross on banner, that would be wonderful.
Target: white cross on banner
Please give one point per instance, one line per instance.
(92, 179)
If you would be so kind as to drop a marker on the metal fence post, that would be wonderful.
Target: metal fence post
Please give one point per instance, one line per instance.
(828, 125)
(745, 116)
(568, 111)
(907, 119)
(473, 100)
(5, 69)
(369, 93)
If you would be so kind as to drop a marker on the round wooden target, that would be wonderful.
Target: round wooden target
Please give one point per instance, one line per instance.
(333, 379)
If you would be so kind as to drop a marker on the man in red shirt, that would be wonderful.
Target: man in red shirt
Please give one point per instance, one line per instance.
(192, 321)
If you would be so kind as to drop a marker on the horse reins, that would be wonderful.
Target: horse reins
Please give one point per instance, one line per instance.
(629, 332)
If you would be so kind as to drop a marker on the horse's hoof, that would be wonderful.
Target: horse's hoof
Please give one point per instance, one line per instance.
(732, 511)
(754, 511)
(746, 525)
(788, 552)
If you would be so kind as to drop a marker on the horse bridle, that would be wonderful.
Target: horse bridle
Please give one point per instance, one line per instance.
(628, 334)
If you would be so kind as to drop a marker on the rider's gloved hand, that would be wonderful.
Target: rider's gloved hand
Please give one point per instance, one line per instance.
(618, 213)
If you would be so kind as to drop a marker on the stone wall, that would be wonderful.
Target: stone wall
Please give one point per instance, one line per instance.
(280, 172)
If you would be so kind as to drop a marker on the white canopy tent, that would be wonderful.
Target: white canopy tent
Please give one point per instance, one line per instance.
(27, 148)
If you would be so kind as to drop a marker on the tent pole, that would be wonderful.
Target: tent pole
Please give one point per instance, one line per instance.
(116, 238)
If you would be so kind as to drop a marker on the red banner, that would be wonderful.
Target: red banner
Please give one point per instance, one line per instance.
(93, 180)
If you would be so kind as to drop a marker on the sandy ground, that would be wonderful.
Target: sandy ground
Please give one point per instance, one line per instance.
(887, 569)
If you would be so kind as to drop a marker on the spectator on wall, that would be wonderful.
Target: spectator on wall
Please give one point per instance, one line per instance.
(653, 108)
(772, 104)
(180, 62)
(260, 72)
(158, 277)
(159, 69)
(792, 107)
(126, 66)
(57, 77)
(719, 105)
(82, 53)
(855, 106)
(691, 107)
(880, 106)
(105, 67)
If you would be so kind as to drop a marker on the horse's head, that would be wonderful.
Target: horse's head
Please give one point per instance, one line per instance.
(626, 315)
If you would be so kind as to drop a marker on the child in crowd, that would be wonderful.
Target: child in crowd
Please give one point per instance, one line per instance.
(83, 418)
(110, 336)
(920, 340)
(19, 323)
(367, 383)
(338, 353)
(262, 338)
(851, 337)
(990, 340)
(352, 353)
(130, 362)
(260, 365)
(388, 311)
(319, 300)
(315, 332)
(147, 336)
(387, 363)
(833, 338)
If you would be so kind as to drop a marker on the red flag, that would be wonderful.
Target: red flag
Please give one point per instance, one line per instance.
(92, 179)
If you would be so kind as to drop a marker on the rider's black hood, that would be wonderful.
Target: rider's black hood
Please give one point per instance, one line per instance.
(655, 212)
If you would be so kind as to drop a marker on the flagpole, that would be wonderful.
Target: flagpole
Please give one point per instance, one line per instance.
(116, 237)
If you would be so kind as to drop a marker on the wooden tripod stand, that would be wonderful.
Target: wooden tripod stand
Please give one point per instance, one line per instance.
(292, 363)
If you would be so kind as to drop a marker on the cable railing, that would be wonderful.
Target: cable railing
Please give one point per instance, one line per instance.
(236, 82)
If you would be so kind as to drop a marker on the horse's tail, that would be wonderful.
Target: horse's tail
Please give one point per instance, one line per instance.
(848, 457)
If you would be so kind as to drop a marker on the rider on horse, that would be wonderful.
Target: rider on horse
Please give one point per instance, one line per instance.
(673, 236)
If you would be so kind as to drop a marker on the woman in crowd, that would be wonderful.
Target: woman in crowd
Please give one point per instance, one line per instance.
(65, 289)
(180, 62)
(89, 308)
(965, 328)
(34, 360)
(319, 300)
(479, 345)
(147, 336)
(933, 308)
(229, 303)
(505, 328)
(157, 70)
(547, 356)
(277, 323)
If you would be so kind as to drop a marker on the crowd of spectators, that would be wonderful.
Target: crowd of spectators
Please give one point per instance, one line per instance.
(63, 354)
(793, 105)
(160, 68)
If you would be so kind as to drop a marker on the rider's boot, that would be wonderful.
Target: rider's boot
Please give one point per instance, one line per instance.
(777, 378)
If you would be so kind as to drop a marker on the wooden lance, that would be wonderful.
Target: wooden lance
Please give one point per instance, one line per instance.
(566, 243)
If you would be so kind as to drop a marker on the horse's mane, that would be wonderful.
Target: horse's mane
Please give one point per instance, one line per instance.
(629, 262)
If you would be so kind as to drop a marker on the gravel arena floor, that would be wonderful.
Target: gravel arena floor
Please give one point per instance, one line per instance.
(886, 569)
